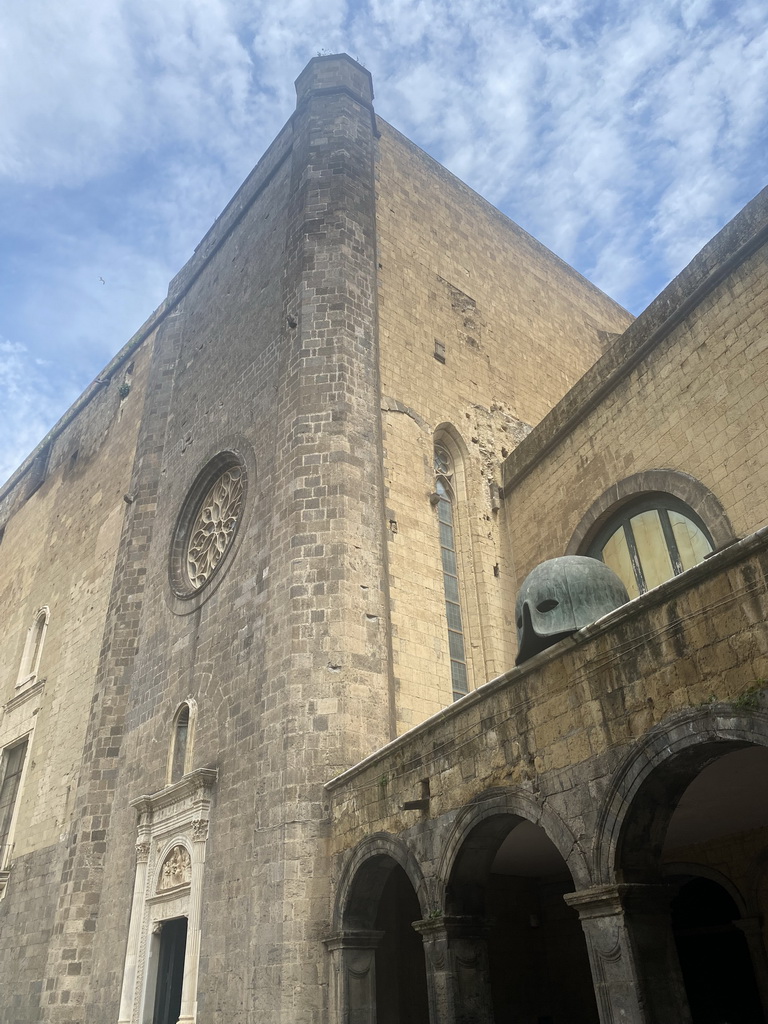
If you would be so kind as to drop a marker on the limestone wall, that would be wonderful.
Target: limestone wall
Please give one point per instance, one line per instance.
(514, 328)
(63, 521)
(684, 390)
(551, 740)
(269, 353)
(59, 551)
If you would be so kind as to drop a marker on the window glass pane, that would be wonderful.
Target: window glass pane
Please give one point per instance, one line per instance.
(652, 548)
(451, 587)
(444, 511)
(180, 745)
(449, 561)
(446, 535)
(442, 461)
(453, 613)
(11, 777)
(15, 760)
(39, 630)
(616, 556)
(456, 645)
(459, 678)
(692, 545)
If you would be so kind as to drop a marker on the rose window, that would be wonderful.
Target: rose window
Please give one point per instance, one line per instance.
(214, 525)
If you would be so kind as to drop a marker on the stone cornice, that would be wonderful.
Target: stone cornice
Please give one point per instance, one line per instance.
(24, 695)
(200, 781)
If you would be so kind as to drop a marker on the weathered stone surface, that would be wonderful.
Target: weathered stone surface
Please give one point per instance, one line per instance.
(352, 306)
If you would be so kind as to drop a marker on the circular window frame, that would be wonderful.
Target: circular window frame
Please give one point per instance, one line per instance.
(187, 597)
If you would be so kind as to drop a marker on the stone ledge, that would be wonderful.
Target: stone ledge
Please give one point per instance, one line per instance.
(718, 562)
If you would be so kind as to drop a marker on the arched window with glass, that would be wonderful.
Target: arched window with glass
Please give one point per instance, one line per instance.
(33, 647)
(650, 540)
(446, 509)
(182, 739)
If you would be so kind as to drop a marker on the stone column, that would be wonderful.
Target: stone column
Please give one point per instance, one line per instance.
(353, 977)
(188, 1010)
(458, 980)
(753, 932)
(632, 953)
(128, 993)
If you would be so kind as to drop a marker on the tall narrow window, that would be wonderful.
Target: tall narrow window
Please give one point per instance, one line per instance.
(182, 741)
(33, 648)
(11, 768)
(181, 732)
(445, 515)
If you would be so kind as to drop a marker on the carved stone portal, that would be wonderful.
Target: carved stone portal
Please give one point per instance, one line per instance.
(168, 884)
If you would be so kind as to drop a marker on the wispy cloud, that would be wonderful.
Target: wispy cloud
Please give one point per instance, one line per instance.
(623, 135)
(28, 389)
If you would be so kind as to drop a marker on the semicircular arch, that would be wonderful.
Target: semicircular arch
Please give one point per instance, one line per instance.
(646, 787)
(498, 806)
(364, 876)
(682, 486)
(712, 874)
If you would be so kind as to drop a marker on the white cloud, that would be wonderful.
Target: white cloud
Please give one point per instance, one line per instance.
(623, 134)
(28, 400)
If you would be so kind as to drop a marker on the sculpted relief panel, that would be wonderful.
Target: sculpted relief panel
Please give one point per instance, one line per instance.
(176, 869)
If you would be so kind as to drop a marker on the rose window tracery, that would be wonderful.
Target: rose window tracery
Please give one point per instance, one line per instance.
(214, 525)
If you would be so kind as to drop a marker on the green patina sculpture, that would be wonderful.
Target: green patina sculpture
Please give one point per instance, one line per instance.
(561, 596)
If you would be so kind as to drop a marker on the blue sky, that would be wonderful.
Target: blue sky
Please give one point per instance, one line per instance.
(621, 134)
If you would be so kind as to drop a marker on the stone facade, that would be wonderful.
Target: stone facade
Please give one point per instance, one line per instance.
(245, 792)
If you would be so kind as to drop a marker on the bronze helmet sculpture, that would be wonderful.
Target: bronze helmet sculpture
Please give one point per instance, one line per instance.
(561, 596)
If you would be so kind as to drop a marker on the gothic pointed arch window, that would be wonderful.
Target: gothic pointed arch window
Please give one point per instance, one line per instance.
(445, 501)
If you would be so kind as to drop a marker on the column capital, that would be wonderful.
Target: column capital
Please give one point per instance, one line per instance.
(621, 898)
(363, 939)
(463, 926)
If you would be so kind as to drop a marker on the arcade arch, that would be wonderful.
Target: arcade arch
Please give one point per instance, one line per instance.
(379, 965)
(684, 826)
(520, 953)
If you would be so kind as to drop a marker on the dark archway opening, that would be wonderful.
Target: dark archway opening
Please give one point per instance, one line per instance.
(511, 876)
(714, 957)
(381, 908)
(699, 822)
(401, 981)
